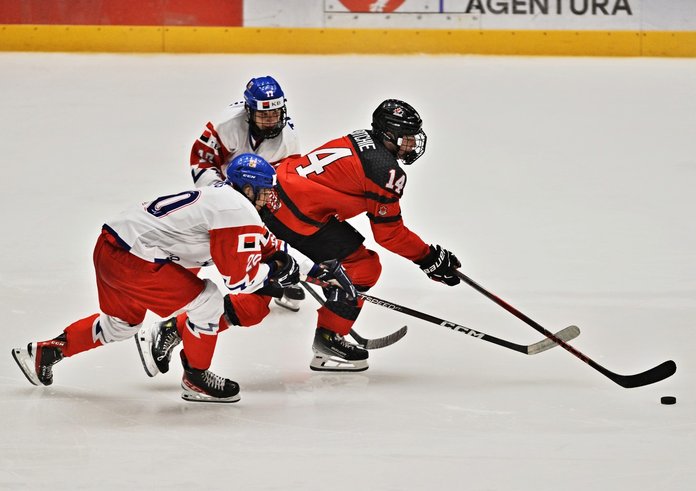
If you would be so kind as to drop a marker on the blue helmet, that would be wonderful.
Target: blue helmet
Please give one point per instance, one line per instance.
(251, 169)
(265, 94)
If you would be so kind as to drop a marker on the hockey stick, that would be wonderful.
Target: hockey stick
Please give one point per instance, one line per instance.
(375, 343)
(570, 332)
(655, 374)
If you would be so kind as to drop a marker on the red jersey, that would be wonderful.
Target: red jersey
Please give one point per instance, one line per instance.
(344, 178)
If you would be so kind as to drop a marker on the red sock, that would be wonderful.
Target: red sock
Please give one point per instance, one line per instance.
(80, 336)
(181, 324)
(199, 350)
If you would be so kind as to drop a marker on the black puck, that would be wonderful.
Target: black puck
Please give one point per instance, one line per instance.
(668, 400)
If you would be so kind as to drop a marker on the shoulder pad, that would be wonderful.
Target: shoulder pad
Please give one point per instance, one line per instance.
(379, 165)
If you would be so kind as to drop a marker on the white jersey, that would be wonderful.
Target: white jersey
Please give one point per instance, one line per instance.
(200, 227)
(230, 136)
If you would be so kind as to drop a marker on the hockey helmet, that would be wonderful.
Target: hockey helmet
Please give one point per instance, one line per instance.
(265, 94)
(393, 120)
(249, 169)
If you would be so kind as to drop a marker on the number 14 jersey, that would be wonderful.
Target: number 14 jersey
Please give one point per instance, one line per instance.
(344, 178)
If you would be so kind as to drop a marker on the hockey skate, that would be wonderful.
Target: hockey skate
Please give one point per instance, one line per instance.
(292, 296)
(332, 353)
(37, 360)
(155, 345)
(205, 386)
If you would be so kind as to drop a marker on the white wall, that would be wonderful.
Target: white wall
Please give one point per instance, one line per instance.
(651, 15)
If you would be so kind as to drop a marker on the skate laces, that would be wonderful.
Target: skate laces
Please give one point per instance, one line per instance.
(214, 381)
(168, 339)
(342, 341)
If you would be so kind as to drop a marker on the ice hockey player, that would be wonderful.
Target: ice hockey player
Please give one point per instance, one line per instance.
(156, 342)
(141, 259)
(259, 124)
(355, 174)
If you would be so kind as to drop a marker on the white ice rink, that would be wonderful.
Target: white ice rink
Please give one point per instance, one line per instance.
(565, 186)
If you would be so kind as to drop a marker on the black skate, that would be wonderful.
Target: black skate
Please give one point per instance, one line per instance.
(292, 296)
(332, 353)
(205, 386)
(37, 360)
(156, 344)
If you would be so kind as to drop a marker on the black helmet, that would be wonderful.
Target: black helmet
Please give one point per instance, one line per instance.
(394, 119)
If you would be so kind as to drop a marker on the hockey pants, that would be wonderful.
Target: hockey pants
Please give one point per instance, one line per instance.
(129, 286)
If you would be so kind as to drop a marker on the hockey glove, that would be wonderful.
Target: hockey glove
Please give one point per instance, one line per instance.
(284, 270)
(439, 265)
(342, 289)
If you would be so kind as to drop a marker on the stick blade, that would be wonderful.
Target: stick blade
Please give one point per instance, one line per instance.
(565, 335)
(655, 374)
(387, 340)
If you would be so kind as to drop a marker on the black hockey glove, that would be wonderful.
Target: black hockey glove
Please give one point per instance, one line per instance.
(284, 270)
(342, 289)
(439, 265)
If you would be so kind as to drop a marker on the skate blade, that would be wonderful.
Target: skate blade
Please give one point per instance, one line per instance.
(291, 305)
(325, 363)
(144, 347)
(26, 363)
(191, 396)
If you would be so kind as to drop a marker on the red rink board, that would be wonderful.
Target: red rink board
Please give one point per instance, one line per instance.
(124, 12)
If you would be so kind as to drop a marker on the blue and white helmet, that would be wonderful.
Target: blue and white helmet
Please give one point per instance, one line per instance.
(265, 94)
(249, 169)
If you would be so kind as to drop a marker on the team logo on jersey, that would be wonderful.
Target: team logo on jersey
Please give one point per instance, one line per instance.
(249, 242)
(382, 210)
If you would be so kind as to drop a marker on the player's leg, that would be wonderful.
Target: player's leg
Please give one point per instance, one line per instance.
(331, 350)
(205, 317)
(335, 240)
(162, 337)
(171, 288)
(37, 360)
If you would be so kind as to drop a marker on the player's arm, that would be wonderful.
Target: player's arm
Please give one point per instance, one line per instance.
(236, 252)
(249, 258)
(342, 288)
(271, 245)
(389, 231)
(383, 191)
(208, 156)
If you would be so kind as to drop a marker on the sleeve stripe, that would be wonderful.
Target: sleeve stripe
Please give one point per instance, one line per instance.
(379, 198)
(375, 219)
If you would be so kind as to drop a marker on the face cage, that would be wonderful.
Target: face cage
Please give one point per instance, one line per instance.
(269, 132)
(418, 149)
(267, 197)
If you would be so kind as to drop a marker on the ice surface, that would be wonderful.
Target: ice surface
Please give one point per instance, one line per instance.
(566, 186)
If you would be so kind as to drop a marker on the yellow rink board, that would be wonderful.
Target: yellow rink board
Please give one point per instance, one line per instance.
(159, 39)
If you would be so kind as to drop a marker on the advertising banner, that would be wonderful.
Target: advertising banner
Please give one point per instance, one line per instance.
(606, 15)
(123, 12)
